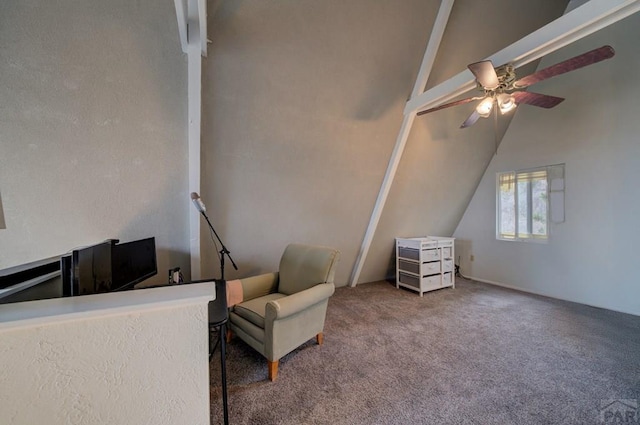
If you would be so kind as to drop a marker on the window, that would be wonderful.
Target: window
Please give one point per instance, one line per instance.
(523, 202)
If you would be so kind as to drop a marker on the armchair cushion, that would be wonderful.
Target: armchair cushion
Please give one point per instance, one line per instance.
(258, 286)
(254, 310)
(304, 266)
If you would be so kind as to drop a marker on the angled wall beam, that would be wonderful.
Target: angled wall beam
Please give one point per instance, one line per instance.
(405, 129)
(580, 22)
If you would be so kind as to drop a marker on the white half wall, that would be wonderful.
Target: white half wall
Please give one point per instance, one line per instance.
(134, 357)
(92, 128)
(591, 258)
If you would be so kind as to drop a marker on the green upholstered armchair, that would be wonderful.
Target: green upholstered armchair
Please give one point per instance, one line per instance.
(280, 311)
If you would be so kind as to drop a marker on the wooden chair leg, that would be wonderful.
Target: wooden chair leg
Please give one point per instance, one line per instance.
(229, 335)
(320, 338)
(273, 369)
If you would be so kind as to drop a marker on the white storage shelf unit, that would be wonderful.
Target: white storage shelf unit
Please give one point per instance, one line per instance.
(425, 264)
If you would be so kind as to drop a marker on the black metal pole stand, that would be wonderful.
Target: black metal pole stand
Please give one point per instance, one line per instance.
(223, 367)
(218, 317)
(224, 251)
(223, 326)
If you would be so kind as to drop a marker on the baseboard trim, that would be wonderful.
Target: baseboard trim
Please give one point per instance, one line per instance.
(542, 294)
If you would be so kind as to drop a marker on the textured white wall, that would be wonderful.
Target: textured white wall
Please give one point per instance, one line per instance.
(142, 368)
(592, 257)
(92, 128)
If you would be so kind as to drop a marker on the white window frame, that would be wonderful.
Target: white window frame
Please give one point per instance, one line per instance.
(554, 175)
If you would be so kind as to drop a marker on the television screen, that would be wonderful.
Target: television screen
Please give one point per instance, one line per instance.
(133, 262)
(66, 270)
(91, 270)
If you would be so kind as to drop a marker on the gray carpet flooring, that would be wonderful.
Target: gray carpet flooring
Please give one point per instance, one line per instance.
(477, 354)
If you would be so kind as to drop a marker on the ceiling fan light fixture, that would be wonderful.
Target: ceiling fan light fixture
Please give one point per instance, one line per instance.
(506, 102)
(498, 85)
(484, 107)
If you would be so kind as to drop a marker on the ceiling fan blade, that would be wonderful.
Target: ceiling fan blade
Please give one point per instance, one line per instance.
(537, 99)
(475, 116)
(485, 74)
(577, 62)
(448, 105)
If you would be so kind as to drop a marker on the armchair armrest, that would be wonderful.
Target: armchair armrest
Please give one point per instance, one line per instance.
(258, 286)
(287, 306)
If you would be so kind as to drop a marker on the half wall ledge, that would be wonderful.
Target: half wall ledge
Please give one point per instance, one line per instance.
(56, 310)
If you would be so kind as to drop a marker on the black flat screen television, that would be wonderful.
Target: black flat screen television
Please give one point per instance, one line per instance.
(133, 262)
(91, 269)
(109, 266)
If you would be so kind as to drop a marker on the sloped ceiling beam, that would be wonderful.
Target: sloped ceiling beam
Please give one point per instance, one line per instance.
(181, 14)
(580, 22)
(405, 129)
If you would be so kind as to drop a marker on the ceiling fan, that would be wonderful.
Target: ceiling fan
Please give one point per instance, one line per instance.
(499, 85)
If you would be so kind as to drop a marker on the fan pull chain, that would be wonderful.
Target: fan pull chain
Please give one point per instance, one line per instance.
(495, 129)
